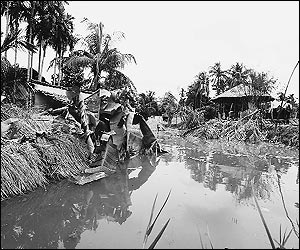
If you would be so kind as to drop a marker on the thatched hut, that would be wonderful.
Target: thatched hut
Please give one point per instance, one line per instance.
(238, 99)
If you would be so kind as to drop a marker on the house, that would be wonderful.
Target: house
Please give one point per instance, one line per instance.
(238, 99)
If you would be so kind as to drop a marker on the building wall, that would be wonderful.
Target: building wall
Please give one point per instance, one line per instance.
(42, 100)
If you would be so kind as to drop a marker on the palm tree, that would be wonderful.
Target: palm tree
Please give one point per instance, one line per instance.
(239, 75)
(259, 84)
(63, 39)
(43, 31)
(5, 11)
(15, 39)
(147, 104)
(99, 55)
(169, 105)
(201, 87)
(15, 15)
(219, 78)
(29, 13)
(16, 11)
(117, 80)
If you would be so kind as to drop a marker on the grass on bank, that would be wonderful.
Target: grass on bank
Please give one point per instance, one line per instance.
(252, 128)
(37, 149)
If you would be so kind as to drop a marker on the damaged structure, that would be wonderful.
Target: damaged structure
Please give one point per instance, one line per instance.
(90, 138)
(111, 132)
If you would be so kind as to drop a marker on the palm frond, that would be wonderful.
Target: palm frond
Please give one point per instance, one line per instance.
(78, 59)
(16, 39)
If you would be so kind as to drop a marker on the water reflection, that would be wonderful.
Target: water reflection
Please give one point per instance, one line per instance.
(58, 216)
(237, 166)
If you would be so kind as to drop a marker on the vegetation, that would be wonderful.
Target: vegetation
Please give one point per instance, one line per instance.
(151, 224)
(50, 150)
(39, 148)
(199, 114)
(168, 106)
(100, 56)
(147, 105)
(198, 91)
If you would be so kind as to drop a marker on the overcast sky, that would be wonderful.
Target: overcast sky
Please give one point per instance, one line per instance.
(173, 41)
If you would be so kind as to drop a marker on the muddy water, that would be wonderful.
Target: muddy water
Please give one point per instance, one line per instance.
(211, 200)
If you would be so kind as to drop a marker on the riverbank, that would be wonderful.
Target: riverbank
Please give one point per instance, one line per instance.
(37, 149)
(252, 131)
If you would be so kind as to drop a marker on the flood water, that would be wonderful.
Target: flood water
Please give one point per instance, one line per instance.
(211, 200)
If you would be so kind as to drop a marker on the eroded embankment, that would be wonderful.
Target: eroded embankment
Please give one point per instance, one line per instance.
(36, 149)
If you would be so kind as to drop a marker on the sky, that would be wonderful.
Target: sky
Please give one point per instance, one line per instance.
(173, 41)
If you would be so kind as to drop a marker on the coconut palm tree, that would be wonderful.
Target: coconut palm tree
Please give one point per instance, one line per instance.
(29, 13)
(239, 74)
(99, 54)
(5, 11)
(15, 15)
(13, 40)
(15, 11)
(259, 84)
(43, 31)
(62, 40)
(219, 78)
(201, 87)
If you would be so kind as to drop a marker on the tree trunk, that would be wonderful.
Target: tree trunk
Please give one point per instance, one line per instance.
(40, 61)
(31, 63)
(42, 65)
(15, 73)
(30, 39)
(60, 68)
(54, 74)
(7, 27)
